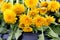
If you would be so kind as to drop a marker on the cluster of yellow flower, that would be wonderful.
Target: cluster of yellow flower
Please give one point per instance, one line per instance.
(34, 16)
(39, 21)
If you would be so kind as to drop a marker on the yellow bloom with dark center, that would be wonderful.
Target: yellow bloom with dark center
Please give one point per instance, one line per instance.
(9, 16)
(5, 6)
(33, 13)
(26, 20)
(31, 3)
(53, 6)
(44, 4)
(27, 29)
(49, 20)
(39, 21)
(18, 8)
(22, 26)
(43, 10)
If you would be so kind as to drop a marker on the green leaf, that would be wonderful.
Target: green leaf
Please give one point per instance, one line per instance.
(44, 28)
(10, 36)
(52, 33)
(4, 30)
(0, 38)
(18, 33)
(1, 28)
(56, 29)
(41, 37)
(1, 16)
(55, 39)
(57, 14)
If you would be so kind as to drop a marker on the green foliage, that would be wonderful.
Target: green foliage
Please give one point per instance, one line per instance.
(56, 28)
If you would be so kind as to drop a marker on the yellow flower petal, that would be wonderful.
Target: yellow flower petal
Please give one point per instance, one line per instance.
(27, 29)
(6, 6)
(18, 8)
(53, 6)
(26, 20)
(31, 3)
(9, 16)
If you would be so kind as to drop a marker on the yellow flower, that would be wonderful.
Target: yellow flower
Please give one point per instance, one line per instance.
(31, 3)
(39, 21)
(1, 1)
(21, 25)
(43, 10)
(53, 6)
(44, 4)
(5, 6)
(26, 20)
(59, 20)
(27, 29)
(33, 13)
(18, 8)
(9, 16)
(49, 20)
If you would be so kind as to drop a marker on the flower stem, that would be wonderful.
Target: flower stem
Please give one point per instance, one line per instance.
(28, 10)
(42, 34)
(23, 1)
(6, 0)
(47, 0)
(14, 29)
(11, 1)
(17, 1)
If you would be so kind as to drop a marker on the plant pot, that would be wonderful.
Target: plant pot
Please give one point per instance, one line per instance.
(30, 36)
(5, 36)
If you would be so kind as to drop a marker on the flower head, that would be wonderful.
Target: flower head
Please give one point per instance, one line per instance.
(31, 3)
(39, 21)
(53, 6)
(18, 9)
(21, 25)
(9, 16)
(44, 4)
(5, 6)
(27, 29)
(26, 20)
(33, 13)
(1, 1)
(59, 20)
(49, 20)
(43, 10)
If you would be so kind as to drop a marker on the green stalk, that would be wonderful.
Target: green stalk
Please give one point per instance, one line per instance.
(13, 35)
(11, 1)
(17, 1)
(42, 34)
(23, 1)
(13, 30)
(6, 0)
